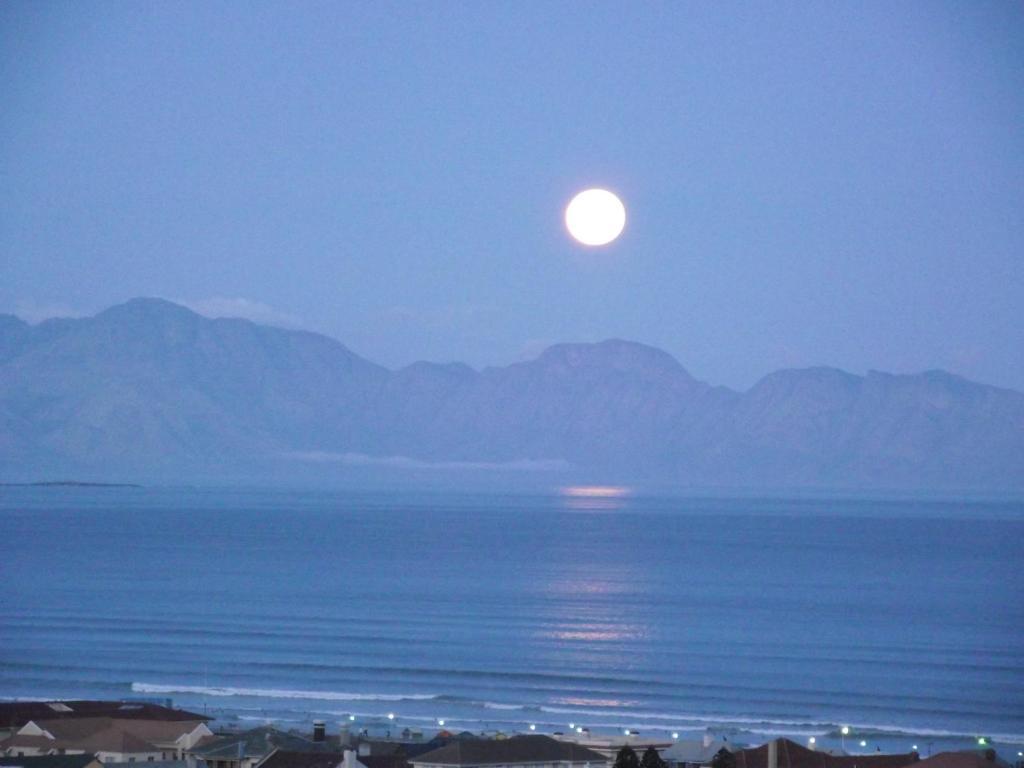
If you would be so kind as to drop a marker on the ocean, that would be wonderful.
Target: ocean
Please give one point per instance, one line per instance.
(749, 617)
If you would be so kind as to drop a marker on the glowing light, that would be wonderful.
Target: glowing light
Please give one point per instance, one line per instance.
(812, 740)
(572, 726)
(440, 722)
(846, 730)
(579, 729)
(596, 491)
(352, 718)
(914, 747)
(533, 727)
(626, 731)
(981, 741)
(863, 743)
(595, 217)
(675, 735)
(391, 715)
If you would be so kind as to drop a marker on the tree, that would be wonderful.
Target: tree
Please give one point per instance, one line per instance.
(723, 759)
(626, 758)
(652, 759)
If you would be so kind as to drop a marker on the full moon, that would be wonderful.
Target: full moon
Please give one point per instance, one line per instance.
(595, 217)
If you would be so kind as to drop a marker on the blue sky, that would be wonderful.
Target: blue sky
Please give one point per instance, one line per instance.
(806, 183)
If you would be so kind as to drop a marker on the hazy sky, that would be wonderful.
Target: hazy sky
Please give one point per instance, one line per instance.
(811, 183)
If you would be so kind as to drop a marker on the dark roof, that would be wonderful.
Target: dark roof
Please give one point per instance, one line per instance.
(49, 761)
(976, 759)
(255, 743)
(396, 760)
(283, 758)
(102, 734)
(102, 739)
(793, 755)
(17, 713)
(518, 749)
(400, 749)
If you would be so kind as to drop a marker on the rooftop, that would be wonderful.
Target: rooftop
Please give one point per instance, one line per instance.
(256, 743)
(973, 759)
(17, 713)
(518, 749)
(793, 755)
(48, 761)
(283, 758)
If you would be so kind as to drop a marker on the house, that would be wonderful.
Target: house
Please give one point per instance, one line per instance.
(250, 748)
(187, 763)
(15, 714)
(783, 753)
(128, 739)
(609, 746)
(394, 760)
(281, 758)
(972, 759)
(691, 753)
(525, 751)
(383, 753)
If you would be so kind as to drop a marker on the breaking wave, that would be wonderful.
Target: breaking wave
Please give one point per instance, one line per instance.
(279, 693)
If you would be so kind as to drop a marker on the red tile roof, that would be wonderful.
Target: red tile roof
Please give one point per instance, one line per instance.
(17, 713)
(793, 755)
(987, 759)
(518, 749)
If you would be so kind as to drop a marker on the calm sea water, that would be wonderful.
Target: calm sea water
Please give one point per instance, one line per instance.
(904, 619)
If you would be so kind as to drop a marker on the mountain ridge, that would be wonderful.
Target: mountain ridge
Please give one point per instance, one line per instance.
(151, 387)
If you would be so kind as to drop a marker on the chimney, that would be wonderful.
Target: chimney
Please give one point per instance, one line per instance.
(773, 754)
(319, 730)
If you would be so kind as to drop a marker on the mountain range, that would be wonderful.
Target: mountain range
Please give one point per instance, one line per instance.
(151, 390)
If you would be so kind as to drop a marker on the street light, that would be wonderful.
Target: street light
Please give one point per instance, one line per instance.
(352, 718)
(391, 715)
(675, 735)
(981, 741)
(626, 732)
(812, 741)
(533, 727)
(441, 723)
(845, 731)
(863, 743)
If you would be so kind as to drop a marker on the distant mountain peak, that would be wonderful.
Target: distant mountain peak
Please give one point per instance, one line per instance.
(148, 307)
(611, 353)
(149, 386)
(12, 321)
